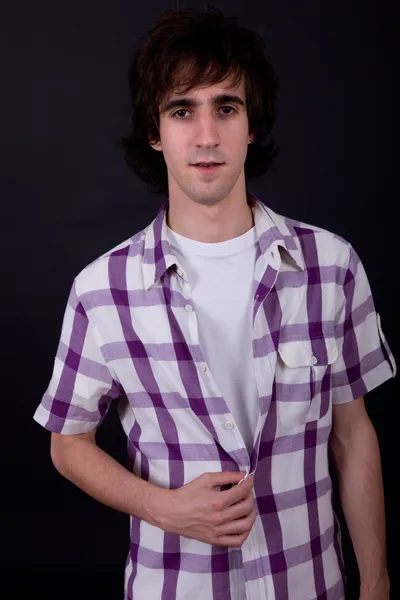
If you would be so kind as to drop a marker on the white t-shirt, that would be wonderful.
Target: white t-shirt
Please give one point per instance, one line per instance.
(221, 275)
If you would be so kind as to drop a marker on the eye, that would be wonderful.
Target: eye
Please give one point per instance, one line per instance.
(176, 115)
(230, 108)
(181, 110)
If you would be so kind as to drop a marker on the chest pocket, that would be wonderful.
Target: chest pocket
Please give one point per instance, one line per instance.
(303, 375)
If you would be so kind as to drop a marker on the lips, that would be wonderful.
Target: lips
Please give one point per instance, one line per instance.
(210, 169)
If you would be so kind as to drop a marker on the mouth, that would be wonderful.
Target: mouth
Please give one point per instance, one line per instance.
(207, 167)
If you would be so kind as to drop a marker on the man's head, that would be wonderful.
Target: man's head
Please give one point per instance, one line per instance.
(208, 125)
(201, 90)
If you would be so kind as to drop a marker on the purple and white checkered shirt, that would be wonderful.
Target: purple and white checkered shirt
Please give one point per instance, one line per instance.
(317, 341)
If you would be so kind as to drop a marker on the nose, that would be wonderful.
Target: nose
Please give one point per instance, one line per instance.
(207, 135)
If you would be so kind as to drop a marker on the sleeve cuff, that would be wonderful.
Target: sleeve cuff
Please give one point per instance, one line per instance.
(58, 425)
(365, 384)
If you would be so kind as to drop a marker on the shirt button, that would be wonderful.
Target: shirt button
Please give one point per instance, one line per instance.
(229, 425)
(314, 360)
(203, 367)
(189, 307)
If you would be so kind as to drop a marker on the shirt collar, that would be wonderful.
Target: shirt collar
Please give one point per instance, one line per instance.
(158, 255)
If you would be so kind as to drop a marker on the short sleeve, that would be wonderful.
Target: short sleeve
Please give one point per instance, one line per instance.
(81, 387)
(365, 360)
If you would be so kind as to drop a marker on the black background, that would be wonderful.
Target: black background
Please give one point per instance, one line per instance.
(67, 197)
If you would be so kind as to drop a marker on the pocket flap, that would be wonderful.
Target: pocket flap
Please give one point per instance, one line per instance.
(308, 353)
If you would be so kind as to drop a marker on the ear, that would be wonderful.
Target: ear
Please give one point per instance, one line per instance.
(156, 146)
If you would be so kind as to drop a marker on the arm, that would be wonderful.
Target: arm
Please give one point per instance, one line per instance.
(355, 452)
(81, 461)
(195, 510)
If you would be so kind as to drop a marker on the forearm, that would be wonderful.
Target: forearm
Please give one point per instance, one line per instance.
(358, 465)
(95, 472)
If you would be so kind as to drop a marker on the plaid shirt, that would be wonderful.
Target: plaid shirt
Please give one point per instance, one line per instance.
(317, 341)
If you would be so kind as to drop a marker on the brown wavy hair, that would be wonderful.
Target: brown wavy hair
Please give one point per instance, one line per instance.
(214, 47)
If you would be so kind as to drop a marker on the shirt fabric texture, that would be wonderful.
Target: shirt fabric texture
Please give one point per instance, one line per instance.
(225, 356)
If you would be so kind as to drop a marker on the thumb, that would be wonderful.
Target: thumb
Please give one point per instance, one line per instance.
(226, 477)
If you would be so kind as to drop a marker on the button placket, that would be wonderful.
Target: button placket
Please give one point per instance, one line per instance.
(228, 425)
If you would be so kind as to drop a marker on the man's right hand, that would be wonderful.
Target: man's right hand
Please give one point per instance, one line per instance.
(198, 511)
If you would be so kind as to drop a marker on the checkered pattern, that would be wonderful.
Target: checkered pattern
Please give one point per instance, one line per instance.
(129, 333)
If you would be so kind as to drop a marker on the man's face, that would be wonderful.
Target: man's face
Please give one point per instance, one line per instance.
(199, 127)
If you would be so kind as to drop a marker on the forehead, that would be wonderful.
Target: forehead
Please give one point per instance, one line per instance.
(229, 83)
(212, 79)
(203, 92)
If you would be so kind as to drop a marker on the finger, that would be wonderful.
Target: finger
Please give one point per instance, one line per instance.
(236, 527)
(237, 511)
(230, 541)
(225, 477)
(237, 493)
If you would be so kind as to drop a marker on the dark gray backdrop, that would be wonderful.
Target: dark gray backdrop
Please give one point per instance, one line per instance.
(67, 197)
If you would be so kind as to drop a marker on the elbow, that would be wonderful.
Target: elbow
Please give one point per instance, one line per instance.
(337, 452)
(60, 445)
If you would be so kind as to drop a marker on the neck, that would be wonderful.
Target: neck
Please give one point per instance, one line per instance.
(224, 221)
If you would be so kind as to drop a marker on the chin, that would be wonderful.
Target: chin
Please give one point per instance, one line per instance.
(207, 198)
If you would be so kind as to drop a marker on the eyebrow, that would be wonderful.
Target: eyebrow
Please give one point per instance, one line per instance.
(192, 103)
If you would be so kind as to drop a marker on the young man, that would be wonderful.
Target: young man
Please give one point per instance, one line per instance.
(238, 342)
